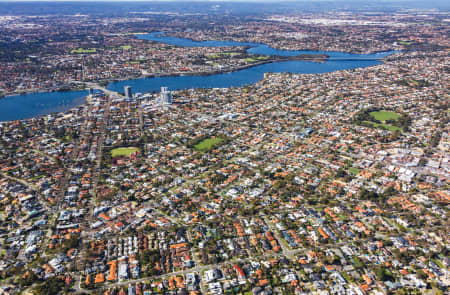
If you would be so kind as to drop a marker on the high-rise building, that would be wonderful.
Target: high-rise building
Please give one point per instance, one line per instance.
(165, 97)
(128, 93)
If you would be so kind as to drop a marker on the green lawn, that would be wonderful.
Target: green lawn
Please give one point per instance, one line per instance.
(387, 126)
(208, 143)
(384, 115)
(126, 47)
(82, 50)
(251, 59)
(125, 151)
(341, 216)
(354, 170)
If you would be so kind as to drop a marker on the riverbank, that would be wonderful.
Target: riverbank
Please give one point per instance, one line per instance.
(77, 86)
(258, 55)
(60, 88)
(305, 57)
(251, 68)
(180, 35)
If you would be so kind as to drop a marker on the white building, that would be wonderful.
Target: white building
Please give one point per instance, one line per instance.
(165, 97)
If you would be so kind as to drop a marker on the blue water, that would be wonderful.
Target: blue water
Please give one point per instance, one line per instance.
(25, 106)
(238, 78)
(31, 105)
(255, 48)
(246, 76)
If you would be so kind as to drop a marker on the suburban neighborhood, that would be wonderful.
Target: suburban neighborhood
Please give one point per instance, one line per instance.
(323, 183)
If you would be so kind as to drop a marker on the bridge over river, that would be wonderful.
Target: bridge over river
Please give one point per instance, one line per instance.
(37, 104)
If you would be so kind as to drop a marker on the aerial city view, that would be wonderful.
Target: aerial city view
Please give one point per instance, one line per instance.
(225, 147)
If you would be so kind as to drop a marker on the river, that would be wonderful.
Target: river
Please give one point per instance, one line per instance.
(36, 104)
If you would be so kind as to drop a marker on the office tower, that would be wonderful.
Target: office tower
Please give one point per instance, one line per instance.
(165, 97)
(127, 90)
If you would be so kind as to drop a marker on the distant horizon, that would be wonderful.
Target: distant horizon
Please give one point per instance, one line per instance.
(102, 7)
(436, 3)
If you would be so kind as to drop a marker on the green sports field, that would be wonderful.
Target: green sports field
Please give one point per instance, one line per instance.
(384, 115)
(125, 151)
(208, 143)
